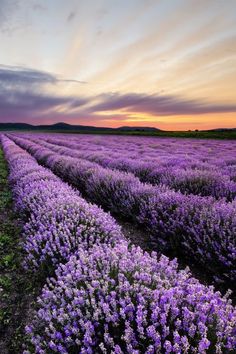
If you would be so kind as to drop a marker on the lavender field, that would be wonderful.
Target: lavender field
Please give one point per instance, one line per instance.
(101, 292)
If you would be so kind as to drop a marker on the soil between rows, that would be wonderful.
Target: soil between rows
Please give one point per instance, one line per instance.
(18, 288)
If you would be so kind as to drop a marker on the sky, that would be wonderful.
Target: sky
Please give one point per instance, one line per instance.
(169, 64)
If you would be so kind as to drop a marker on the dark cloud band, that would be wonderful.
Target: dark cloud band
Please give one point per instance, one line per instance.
(159, 105)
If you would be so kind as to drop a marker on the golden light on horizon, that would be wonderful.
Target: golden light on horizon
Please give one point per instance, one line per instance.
(169, 64)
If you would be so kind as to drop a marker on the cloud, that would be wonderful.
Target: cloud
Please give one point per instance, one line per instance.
(15, 76)
(16, 101)
(73, 81)
(71, 16)
(23, 105)
(24, 94)
(159, 105)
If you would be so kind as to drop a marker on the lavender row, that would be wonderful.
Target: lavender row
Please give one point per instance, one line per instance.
(205, 152)
(164, 152)
(110, 297)
(120, 300)
(198, 228)
(192, 178)
(57, 219)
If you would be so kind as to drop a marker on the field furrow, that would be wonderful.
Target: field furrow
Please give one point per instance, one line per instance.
(18, 288)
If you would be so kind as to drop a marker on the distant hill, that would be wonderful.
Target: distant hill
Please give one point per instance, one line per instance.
(15, 126)
(69, 127)
(219, 133)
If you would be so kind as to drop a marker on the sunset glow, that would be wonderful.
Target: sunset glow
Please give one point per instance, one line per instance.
(169, 64)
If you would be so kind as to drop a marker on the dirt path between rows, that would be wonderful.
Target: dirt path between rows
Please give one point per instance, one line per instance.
(18, 290)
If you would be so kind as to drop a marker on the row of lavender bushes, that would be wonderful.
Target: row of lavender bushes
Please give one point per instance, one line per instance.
(106, 296)
(187, 153)
(201, 229)
(187, 176)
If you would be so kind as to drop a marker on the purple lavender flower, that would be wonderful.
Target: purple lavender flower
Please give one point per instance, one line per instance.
(103, 273)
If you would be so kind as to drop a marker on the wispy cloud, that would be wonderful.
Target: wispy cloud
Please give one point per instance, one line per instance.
(14, 75)
(25, 77)
(71, 16)
(23, 94)
(159, 105)
(21, 105)
(73, 81)
(28, 94)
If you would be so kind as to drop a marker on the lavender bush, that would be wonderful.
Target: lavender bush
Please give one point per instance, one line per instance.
(120, 300)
